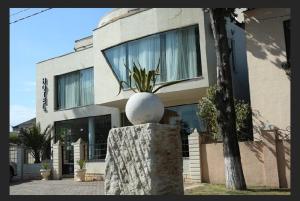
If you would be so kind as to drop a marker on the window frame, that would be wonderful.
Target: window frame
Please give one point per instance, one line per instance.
(198, 50)
(56, 90)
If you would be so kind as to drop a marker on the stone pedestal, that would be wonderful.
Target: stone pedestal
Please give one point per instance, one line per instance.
(57, 161)
(144, 159)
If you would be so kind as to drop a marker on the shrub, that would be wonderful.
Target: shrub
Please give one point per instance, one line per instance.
(208, 112)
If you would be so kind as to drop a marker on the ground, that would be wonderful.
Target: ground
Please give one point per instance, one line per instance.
(213, 189)
(68, 186)
(56, 187)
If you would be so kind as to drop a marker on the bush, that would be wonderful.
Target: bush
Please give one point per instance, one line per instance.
(208, 112)
(14, 138)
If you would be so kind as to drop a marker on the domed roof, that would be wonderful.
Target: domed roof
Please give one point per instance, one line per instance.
(118, 13)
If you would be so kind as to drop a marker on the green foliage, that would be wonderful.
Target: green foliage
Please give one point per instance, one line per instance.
(81, 163)
(144, 80)
(14, 138)
(45, 166)
(208, 112)
(37, 141)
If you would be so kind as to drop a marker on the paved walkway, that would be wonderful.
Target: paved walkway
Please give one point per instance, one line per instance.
(56, 187)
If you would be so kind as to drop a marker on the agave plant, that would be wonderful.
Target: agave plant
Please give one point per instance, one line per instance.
(81, 163)
(144, 80)
(45, 166)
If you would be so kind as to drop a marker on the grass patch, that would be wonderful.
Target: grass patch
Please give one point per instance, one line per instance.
(217, 189)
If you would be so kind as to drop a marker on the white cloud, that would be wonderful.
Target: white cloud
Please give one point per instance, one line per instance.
(19, 114)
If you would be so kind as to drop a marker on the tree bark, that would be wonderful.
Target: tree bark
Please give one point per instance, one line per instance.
(225, 104)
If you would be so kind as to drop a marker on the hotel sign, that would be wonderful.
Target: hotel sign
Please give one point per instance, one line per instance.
(45, 92)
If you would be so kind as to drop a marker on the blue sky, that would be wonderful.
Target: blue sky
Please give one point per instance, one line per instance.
(37, 38)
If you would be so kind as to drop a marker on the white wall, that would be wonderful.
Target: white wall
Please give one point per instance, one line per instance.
(270, 87)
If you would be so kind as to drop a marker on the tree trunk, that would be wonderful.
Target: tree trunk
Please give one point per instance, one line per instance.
(225, 104)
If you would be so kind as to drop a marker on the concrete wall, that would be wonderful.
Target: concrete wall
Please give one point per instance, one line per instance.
(269, 84)
(265, 163)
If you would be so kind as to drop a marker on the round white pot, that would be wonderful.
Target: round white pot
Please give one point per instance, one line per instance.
(143, 108)
(79, 174)
(45, 173)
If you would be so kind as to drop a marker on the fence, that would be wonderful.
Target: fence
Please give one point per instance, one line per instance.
(265, 162)
(25, 166)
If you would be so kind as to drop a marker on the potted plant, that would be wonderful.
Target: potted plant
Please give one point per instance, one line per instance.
(45, 171)
(80, 173)
(144, 106)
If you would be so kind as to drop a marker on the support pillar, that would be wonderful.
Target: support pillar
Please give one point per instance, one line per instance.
(195, 156)
(78, 152)
(20, 161)
(57, 161)
(91, 137)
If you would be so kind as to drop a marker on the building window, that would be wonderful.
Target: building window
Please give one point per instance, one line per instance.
(92, 130)
(184, 116)
(75, 89)
(287, 35)
(178, 51)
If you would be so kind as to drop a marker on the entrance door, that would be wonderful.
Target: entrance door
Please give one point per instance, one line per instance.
(68, 155)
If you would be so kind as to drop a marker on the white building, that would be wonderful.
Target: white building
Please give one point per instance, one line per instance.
(77, 92)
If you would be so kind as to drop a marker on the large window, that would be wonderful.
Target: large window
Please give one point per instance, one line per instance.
(75, 89)
(177, 50)
(92, 130)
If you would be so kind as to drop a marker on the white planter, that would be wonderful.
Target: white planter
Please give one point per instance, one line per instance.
(79, 175)
(45, 173)
(143, 108)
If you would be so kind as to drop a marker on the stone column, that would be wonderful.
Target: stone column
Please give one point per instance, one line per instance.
(78, 152)
(270, 158)
(195, 156)
(20, 161)
(57, 161)
(144, 159)
(91, 137)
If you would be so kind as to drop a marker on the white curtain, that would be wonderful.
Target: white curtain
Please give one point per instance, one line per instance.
(72, 98)
(87, 87)
(146, 52)
(181, 54)
(117, 59)
(75, 89)
(176, 50)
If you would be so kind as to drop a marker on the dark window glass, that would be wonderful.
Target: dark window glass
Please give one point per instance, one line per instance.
(287, 35)
(70, 131)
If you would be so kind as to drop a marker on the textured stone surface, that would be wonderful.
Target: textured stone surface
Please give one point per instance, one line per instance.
(144, 160)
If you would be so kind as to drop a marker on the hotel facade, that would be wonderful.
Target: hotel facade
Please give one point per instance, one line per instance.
(77, 92)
